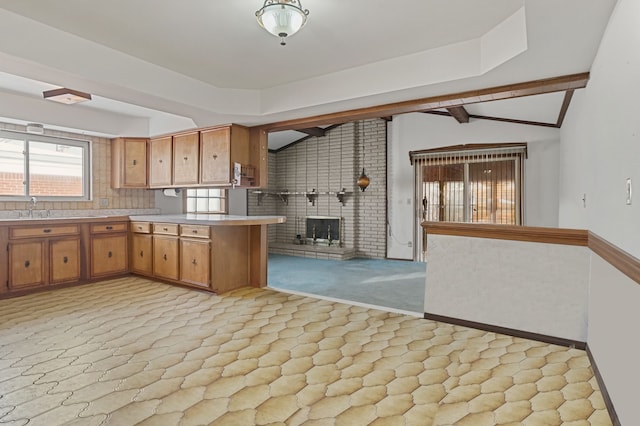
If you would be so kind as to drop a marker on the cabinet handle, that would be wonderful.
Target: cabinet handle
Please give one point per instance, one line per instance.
(165, 229)
(164, 256)
(186, 158)
(65, 259)
(159, 161)
(135, 162)
(141, 253)
(109, 228)
(194, 262)
(110, 254)
(215, 156)
(139, 228)
(195, 231)
(26, 264)
(46, 231)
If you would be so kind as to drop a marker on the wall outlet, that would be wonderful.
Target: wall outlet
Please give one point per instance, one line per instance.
(410, 244)
(104, 202)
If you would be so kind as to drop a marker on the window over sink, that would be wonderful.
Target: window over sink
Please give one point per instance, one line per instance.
(47, 167)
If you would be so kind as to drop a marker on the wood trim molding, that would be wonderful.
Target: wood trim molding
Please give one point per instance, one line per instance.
(618, 258)
(572, 237)
(508, 331)
(608, 403)
(535, 87)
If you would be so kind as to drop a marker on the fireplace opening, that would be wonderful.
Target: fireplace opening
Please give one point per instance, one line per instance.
(324, 230)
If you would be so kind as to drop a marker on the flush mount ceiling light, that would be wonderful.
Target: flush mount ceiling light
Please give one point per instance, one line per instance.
(66, 96)
(282, 18)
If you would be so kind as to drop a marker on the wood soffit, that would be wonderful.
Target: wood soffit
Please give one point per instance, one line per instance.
(452, 102)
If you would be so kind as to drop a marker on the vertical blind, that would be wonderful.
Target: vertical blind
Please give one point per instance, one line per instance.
(468, 183)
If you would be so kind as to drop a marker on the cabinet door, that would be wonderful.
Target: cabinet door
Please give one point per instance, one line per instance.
(215, 161)
(160, 155)
(142, 254)
(195, 262)
(185, 159)
(26, 264)
(64, 260)
(108, 255)
(165, 257)
(135, 163)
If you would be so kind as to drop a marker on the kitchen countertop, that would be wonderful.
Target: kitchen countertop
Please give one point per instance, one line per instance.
(210, 219)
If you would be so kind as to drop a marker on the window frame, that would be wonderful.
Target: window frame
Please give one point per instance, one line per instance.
(87, 170)
(224, 197)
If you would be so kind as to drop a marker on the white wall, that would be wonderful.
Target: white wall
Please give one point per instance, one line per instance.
(496, 282)
(600, 149)
(416, 131)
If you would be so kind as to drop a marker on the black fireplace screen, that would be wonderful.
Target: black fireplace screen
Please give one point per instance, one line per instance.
(323, 229)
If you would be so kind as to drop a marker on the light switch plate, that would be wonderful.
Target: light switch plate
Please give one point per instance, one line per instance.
(629, 191)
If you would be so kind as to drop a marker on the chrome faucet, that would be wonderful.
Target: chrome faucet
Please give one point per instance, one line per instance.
(32, 205)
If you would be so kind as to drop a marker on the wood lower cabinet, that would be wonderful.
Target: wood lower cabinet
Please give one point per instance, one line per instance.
(142, 254)
(27, 264)
(109, 249)
(166, 257)
(195, 255)
(43, 255)
(64, 260)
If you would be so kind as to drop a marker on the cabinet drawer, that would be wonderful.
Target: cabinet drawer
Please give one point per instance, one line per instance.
(102, 228)
(165, 228)
(196, 231)
(43, 231)
(141, 227)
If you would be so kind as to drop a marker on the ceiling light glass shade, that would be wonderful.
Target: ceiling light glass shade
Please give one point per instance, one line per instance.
(282, 18)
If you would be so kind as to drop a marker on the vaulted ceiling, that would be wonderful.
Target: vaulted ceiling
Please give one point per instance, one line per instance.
(158, 66)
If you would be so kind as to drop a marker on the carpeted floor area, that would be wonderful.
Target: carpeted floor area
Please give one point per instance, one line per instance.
(393, 284)
(133, 351)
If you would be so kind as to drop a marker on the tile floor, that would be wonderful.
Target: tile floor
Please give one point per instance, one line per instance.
(131, 351)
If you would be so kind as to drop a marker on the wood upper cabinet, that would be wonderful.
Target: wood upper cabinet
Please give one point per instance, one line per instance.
(185, 159)
(129, 163)
(160, 162)
(220, 148)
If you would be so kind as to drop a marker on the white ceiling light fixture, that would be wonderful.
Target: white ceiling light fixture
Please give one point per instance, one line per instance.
(66, 96)
(282, 18)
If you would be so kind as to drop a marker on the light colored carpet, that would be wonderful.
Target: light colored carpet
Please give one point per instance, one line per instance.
(396, 284)
(132, 351)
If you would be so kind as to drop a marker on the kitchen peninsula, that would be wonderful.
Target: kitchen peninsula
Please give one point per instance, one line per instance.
(213, 252)
(209, 251)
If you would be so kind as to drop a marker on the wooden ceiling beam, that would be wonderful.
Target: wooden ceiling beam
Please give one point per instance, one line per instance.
(529, 88)
(565, 106)
(504, 120)
(459, 113)
(313, 131)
